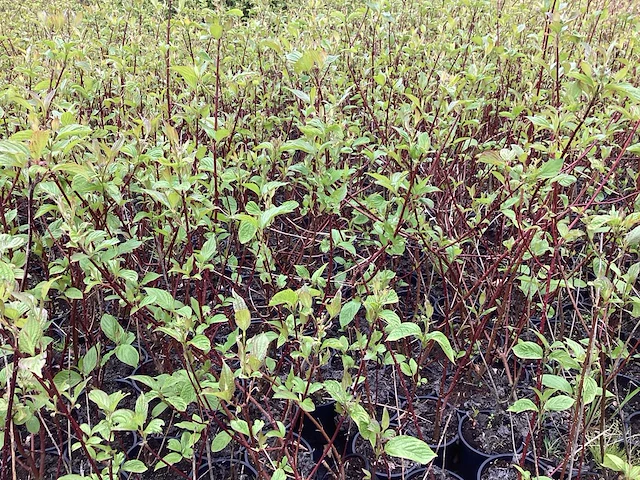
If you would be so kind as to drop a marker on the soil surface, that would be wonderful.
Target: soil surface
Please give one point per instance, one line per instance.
(493, 433)
(474, 392)
(434, 473)
(425, 410)
(354, 466)
(379, 391)
(502, 469)
(226, 470)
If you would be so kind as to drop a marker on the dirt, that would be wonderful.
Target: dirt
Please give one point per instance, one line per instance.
(332, 370)
(380, 390)
(425, 411)
(354, 467)
(493, 433)
(474, 392)
(624, 387)
(633, 430)
(434, 473)
(502, 469)
(227, 470)
(53, 467)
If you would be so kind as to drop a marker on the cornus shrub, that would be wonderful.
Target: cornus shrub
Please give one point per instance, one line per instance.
(304, 240)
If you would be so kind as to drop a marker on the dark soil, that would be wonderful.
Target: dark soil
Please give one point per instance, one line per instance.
(379, 391)
(493, 433)
(434, 473)
(53, 467)
(633, 430)
(624, 387)
(425, 411)
(474, 392)
(502, 469)
(226, 470)
(354, 466)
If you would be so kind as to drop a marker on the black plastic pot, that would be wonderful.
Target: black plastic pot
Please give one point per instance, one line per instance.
(325, 416)
(448, 451)
(228, 469)
(471, 457)
(632, 426)
(435, 473)
(626, 386)
(509, 458)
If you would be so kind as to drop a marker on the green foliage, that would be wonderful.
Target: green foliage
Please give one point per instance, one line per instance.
(249, 208)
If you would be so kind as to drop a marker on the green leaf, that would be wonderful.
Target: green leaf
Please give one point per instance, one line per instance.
(523, 405)
(73, 293)
(242, 314)
(100, 398)
(550, 168)
(128, 354)
(33, 425)
(226, 384)
(171, 458)
(73, 130)
(220, 441)
(405, 329)
(267, 216)
(240, 426)
(188, 73)
(444, 343)
(201, 343)
(259, 346)
(348, 312)
(307, 405)
(215, 30)
(160, 297)
(279, 475)
(246, 231)
(528, 350)
(590, 390)
(540, 122)
(410, 448)
(134, 466)
(633, 237)
(287, 296)
(7, 276)
(614, 462)
(208, 250)
(557, 382)
(631, 92)
(559, 403)
(90, 360)
(333, 307)
(30, 336)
